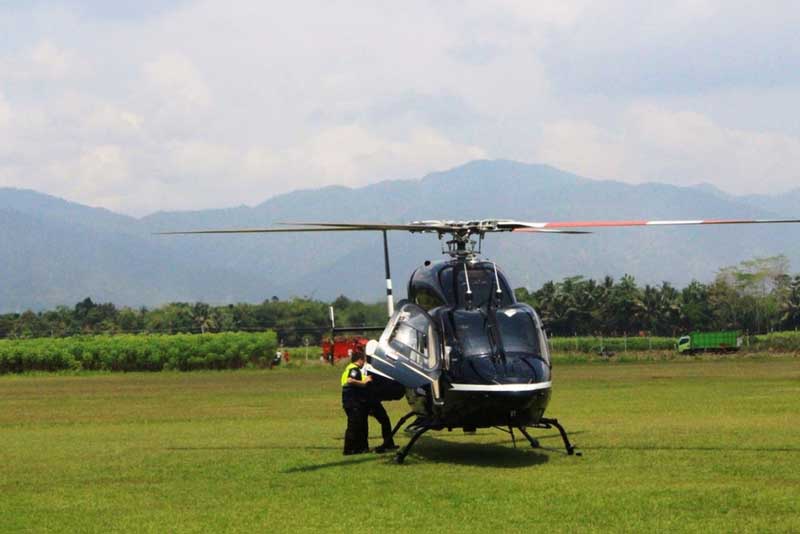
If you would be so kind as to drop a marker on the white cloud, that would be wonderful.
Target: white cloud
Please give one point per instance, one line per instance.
(102, 168)
(43, 62)
(194, 104)
(111, 120)
(176, 81)
(354, 155)
(49, 61)
(584, 148)
(680, 147)
(349, 155)
(5, 112)
(197, 159)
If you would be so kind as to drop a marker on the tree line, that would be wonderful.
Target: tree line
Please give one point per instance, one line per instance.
(756, 296)
(295, 321)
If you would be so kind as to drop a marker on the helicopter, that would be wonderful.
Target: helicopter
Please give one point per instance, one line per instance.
(465, 352)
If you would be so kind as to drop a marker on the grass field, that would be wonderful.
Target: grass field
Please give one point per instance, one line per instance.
(668, 445)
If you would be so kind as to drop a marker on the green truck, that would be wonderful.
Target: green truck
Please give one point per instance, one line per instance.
(730, 340)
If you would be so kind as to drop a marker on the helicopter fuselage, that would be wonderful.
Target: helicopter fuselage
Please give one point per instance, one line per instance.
(469, 355)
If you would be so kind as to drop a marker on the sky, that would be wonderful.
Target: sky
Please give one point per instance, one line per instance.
(191, 104)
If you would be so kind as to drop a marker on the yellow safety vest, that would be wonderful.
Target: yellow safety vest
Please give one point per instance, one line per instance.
(347, 370)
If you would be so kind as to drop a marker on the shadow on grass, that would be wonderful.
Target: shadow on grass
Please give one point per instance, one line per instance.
(360, 459)
(253, 447)
(469, 435)
(429, 449)
(696, 449)
(495, 455)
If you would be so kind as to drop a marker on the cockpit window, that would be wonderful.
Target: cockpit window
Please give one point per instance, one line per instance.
(482, 284)
(518, 332)
(472, 332)
(427, 299)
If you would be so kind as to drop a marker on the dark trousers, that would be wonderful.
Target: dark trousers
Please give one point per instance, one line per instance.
(377, 411)
(356, 435)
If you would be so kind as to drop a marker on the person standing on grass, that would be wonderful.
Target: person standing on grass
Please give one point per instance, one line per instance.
(381, 389)
(355, 401)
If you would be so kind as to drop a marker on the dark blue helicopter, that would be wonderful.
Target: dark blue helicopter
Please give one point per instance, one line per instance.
(467, 354)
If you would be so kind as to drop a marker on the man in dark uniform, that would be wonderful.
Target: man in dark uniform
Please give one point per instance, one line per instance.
(355, 401)
(381, 389)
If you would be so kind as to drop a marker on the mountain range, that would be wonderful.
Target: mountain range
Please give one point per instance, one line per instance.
(54, 252)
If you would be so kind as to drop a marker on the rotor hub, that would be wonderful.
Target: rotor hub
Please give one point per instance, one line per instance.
(461, 244)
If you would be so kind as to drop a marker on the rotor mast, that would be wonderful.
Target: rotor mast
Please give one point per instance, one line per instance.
(461, 245)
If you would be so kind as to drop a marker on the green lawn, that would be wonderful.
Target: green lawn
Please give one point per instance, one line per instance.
(676, 445)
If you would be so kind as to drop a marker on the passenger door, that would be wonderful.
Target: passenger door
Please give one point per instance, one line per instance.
(409, 350)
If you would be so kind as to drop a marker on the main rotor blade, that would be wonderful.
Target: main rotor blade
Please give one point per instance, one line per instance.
(265, 230)
(520, 226)
(478, 227)
(550, 231)
(424, 226)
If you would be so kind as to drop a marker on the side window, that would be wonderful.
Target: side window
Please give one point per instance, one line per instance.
(409, 350)
(410, 342)
(426, 299)
(415, 339)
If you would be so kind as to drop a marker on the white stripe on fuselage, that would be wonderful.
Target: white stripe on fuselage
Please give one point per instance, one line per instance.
(502, 387)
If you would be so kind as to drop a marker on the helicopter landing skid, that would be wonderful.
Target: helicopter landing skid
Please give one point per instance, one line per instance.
(551, 423)
(402, 420)
(401, 454)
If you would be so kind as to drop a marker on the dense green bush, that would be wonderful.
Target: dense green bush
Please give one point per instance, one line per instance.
(145, 352)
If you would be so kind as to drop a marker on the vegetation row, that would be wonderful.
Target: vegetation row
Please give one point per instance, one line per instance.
(788, 341)
(151, 352)
(234, 350)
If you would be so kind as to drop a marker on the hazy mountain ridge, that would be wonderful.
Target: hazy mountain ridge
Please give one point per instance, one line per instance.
(57, 252)
(786, 204)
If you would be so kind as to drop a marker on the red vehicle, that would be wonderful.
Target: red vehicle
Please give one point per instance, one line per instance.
(342, 347)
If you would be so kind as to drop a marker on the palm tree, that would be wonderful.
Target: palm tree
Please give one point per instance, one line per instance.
(790, 308)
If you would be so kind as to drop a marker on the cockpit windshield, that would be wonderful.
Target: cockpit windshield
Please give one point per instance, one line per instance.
(472, 332)
(518, 331)
(482, 284)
